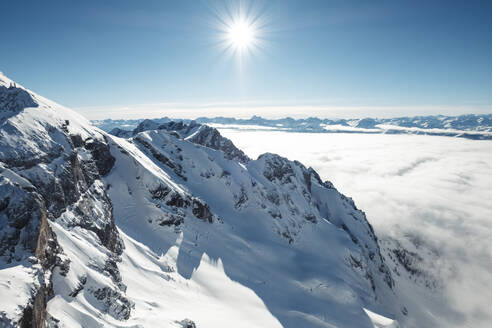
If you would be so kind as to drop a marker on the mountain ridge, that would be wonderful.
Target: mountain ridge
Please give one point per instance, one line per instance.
(172, 226)
(470, 126)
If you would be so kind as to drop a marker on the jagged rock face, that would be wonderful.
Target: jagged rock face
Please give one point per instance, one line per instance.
(20, 214)
(210, 137)
(50, 174)
(15, 99)
(197, 133)
(405, 261)
(186, 323)
(291, 175)
(277, 168)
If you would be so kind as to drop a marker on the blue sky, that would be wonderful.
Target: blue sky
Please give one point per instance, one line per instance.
(325, 58)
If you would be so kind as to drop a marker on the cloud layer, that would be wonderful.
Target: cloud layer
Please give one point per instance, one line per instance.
(434, 189)
(270, 109)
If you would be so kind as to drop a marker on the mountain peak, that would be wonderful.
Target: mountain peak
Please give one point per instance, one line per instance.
(14, 99)
(180, 205)
(197, 133)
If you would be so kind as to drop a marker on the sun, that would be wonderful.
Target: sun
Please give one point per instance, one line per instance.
(241, 35)
(241, 29)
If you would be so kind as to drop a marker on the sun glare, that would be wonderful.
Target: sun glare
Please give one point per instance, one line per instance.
(241, 30)
(241, 35)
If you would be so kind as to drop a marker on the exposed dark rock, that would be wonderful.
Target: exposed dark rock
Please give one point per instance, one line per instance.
(15, 99)
(310, 217)
(114, 303)
(177, 169)
(69, 186)
(179, 126)
(101, 155)
(241, 199)
(63, 266)
(207, 174)
(186, 323)
(177, 200)
(4, 203)
(200, 134)
(47, 247)
(31, 160)
(111, 267)
(277, 168)
(288, 236)
(201, 210)
(34, 314)
(160, 192)
(273, 197)
(404, 311)
(21, 221)
(77, 140)
(211, 137)
(408, 260)
(347, 230)
(171, 220)
(80, 286)
(110, 238)
(307, 180)
(275, 214)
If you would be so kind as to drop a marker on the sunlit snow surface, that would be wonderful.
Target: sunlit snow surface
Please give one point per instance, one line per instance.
(429, 191)
(226, 265)
(262, 280)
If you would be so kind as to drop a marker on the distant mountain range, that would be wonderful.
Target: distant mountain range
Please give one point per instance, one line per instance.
(478, 127)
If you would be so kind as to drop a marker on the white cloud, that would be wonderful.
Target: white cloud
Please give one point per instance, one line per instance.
(437, 189)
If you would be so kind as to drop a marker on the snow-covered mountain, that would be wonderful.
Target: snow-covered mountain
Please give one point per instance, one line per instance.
(172, 226)
(465, 126)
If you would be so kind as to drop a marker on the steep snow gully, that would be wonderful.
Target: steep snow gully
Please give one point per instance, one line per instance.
(173, 226)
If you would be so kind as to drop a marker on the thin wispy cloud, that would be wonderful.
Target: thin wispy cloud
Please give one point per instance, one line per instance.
(269, 109)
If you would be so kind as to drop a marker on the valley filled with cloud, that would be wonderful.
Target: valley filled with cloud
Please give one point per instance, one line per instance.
(432, 194)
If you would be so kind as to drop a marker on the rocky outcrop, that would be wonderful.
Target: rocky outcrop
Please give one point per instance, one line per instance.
(186, 323)
(210, 137)
(291, 177)
(165, 198)
(100, 153)
(34, 314)
(277, 168)
(201, 210)
(194, 132)
(56, 178)
(176, 167)
(14, 99)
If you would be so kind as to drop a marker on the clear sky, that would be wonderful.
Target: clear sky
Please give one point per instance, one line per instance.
(325, 58)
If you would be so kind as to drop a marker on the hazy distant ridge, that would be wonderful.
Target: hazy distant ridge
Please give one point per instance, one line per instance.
(466, 126)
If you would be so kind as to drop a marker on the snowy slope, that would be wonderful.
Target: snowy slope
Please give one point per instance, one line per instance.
(174, 227)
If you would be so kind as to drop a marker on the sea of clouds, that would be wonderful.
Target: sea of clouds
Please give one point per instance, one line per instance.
(433, 191)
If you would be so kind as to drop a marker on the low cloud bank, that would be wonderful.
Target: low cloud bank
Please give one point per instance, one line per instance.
(433, 190)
